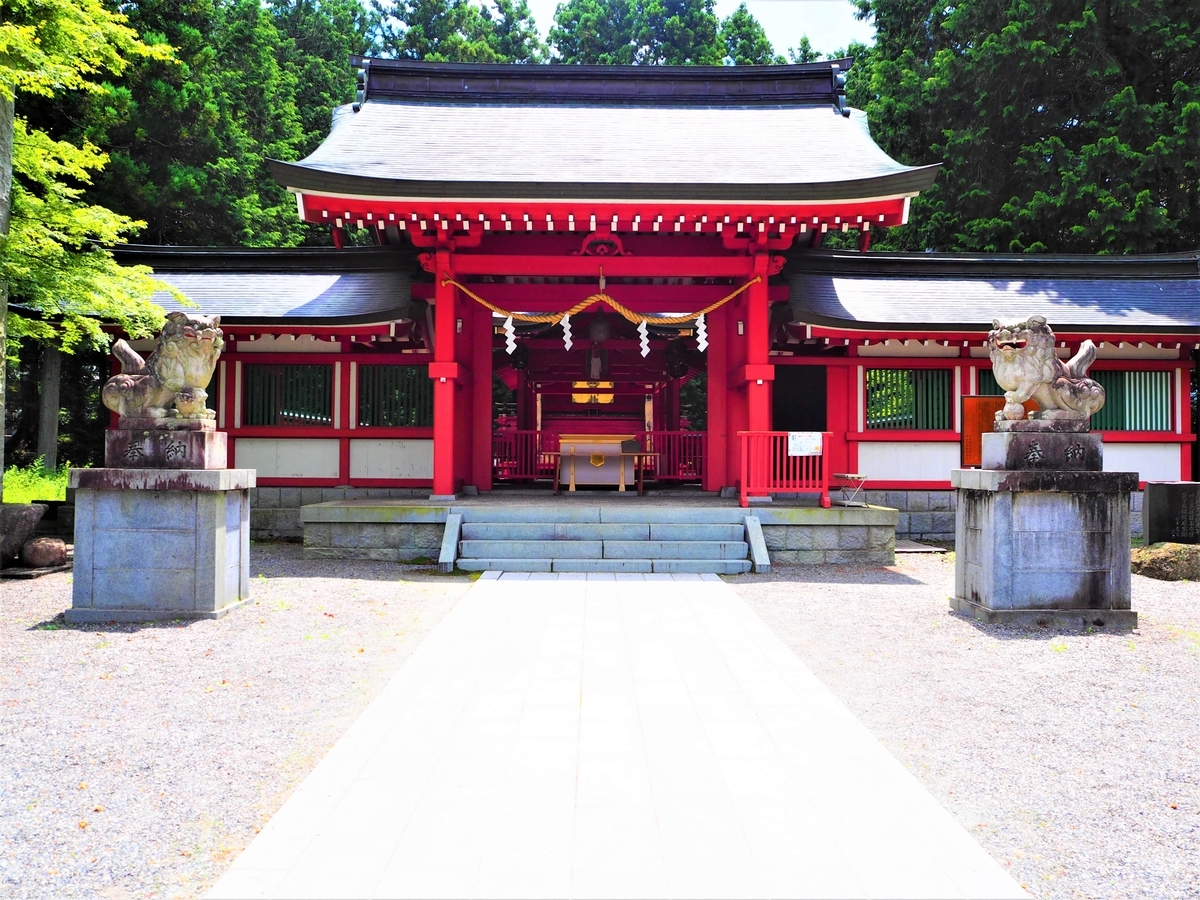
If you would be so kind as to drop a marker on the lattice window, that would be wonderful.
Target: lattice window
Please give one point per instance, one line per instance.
(287, 395)
(987, 384)
(395, 396)
(908, 399)
(1134, 401)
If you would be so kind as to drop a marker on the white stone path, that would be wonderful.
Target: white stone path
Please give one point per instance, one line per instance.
(601, 736)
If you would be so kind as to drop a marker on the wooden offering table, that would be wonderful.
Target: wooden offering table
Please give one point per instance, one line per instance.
(610, 459)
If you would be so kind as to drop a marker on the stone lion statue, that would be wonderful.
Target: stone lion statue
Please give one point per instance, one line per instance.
(177, 372)
(1024, 364)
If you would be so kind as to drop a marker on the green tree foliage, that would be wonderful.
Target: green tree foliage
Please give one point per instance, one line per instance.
(594, 32)
(655, 32)
(746, 42)
(50, 263)
(1062, 126)
(189, 141)
(805, 52)
(458, 31)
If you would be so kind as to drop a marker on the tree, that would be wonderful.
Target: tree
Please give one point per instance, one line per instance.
(593, 32)
(805, 52)
(49, 259)
(1071, 127)
(189, 141)
(458, 31)
(677, 33)
(745, 40)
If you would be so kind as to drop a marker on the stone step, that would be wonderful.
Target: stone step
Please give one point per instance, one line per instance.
(553, 531)
(614, 515)
(676, 549)
(711, 566)
(594, 531)
(531, 549)
(543, 549)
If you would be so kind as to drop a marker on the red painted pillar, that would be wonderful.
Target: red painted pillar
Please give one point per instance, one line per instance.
(737, 417)
(715, 468)
(444, 377)
(758, 346)
(481, 387)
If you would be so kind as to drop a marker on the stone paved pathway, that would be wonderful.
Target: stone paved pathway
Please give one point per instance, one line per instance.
(609, 736)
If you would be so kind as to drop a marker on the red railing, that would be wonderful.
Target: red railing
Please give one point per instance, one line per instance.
(524, 455)
(767, 468)
(681, 454)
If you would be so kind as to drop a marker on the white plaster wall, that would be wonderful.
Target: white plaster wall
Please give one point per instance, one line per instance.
(907, 460)
(391, 459)
(288, 457)
(1152, 462)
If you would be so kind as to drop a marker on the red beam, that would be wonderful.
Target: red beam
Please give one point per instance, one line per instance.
(614, 266)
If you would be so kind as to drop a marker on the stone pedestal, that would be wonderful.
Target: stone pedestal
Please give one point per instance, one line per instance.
(160, 544)
(165, 444)
(1047, 548)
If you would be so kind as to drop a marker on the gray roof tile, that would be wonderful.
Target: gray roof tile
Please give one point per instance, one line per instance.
(1102, 304)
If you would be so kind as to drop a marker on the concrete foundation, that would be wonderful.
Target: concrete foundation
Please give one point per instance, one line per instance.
(153, 545)
(1044, 548)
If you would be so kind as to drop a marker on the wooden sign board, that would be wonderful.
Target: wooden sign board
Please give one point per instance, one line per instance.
(979, 418)
(804, 443)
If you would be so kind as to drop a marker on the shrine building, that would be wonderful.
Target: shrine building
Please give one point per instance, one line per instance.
(532, 255)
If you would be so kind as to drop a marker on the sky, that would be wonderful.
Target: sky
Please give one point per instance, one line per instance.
(829, 24)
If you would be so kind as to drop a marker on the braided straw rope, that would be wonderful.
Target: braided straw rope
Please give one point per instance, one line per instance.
(623, 311)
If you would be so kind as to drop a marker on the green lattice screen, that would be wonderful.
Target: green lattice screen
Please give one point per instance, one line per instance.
(395, 396)
(1134, 401)
(287, 395)
(908, 398)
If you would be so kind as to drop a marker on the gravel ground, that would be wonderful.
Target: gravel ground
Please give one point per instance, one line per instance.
(1073, 758)
(139, 760)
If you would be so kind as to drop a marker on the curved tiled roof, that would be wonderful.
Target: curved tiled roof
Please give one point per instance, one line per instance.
(955, 292)
(284, 286)
(430, 130)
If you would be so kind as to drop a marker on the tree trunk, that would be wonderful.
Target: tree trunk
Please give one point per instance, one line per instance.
(6, 147)
(51, 377)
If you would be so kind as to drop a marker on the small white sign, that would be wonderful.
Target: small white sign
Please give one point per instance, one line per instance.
(804, 443)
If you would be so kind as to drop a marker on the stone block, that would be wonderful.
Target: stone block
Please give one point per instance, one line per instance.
(328, 494)
(356, 493)
(876, 498)
(1136, 500)
(1040, 451)
(810, 557)
(800, 538)
(897, 500)
(941, 500)
(824, 538)
(918, 501)
(920, 522)
(43, 552)
(130, 568)
(776, 536)
(783, 557)
(310, 495)
(154, 448)
(880, 538)
(287, 523)
(318, 535)
(289, 498)
(943, 523)
(902, 526)
(378, 493)
(264, 498)
(852, 537)
(427, 536)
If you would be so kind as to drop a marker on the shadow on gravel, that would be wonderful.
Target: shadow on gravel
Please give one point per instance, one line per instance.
(60, 623)
(828, 575)
(1037, 632)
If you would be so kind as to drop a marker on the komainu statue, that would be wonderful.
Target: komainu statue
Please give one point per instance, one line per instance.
(177, 372)
(1024, 364)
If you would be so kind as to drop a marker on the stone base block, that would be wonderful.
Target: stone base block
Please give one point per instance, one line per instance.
(1043, 450)
(148, 555)
(1025, 553)
(153, 448)
(1064, 619)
